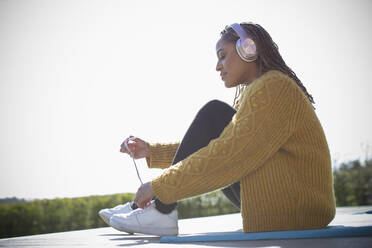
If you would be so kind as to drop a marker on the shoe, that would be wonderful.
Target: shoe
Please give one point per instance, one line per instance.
(106, 213)
(147, 221)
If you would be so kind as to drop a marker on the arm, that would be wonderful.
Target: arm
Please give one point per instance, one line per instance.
(157, 155)
(161, 155)
(269, 113)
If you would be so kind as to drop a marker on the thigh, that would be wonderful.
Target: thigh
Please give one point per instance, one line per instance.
(208, 124)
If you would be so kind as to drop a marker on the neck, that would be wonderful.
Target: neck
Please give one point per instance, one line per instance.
(252, 74)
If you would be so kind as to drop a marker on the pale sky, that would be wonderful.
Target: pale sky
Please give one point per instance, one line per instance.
(77, 77)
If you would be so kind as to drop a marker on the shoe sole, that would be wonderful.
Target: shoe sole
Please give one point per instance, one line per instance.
(107, 221)
(144, 230)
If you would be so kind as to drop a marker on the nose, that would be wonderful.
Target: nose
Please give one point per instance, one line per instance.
(218, 66)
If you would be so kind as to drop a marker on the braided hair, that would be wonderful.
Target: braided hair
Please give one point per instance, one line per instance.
(268, 58)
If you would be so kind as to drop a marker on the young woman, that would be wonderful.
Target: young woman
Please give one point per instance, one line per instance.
(268, 154)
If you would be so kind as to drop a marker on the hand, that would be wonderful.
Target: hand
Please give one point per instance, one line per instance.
(144, 195)
(137, 148)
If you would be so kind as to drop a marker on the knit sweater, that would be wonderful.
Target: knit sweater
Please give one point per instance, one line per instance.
(275, 146)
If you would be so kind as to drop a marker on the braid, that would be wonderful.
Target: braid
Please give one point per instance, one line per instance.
(269, 57)
(239, 89)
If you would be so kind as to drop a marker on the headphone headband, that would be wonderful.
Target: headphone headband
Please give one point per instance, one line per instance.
(239, 30)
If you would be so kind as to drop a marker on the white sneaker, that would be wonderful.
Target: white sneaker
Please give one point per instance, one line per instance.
(147, 221)
(120, 209)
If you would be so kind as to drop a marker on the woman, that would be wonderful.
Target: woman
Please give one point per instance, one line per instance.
(269, 152)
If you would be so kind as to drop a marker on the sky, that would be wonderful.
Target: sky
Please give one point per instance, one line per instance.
(77, 77)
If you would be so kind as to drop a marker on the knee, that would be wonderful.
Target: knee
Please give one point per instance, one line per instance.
(214, 105)
(214, 116)
(217, 106)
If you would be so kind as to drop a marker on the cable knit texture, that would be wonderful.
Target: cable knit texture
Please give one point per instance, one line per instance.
(161, 155)
(275, 146)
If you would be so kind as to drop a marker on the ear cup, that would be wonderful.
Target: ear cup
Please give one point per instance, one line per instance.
(246, 50)
(245, 46)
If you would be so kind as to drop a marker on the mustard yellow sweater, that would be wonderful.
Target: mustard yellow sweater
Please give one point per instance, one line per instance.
(275, 146)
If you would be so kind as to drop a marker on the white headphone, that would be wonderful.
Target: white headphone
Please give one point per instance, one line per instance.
(245, 46)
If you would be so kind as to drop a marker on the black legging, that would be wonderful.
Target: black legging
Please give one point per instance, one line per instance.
(208, 124)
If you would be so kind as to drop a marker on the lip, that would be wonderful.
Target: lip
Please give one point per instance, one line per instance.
(223, 74)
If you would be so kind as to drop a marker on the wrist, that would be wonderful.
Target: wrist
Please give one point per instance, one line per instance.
(148, 152)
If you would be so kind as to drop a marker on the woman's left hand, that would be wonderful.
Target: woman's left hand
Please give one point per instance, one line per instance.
(144, 195)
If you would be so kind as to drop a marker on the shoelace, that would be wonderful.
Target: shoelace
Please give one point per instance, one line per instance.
(142, 210)
(135, 165)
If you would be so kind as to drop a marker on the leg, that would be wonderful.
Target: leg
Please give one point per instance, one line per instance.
(207, 125)
(232, 193)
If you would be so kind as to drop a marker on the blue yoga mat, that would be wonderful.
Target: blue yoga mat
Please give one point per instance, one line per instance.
(329, 232)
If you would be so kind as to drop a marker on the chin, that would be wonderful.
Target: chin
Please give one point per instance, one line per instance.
(229, 85)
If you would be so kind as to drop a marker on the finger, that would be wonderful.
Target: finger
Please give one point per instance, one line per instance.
(132, 139)
(140, 204)
(123, 145)
(125, 141)
(140, 201)
(132, 148)
(144, 203)
(123, 149)
(131, 145)
(136, 198)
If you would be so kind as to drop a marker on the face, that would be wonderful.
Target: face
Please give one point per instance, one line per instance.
(233, 70)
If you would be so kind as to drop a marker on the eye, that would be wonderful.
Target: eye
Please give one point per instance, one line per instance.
(220, 55)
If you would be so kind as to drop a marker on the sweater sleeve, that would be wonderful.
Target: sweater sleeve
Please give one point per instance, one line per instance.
(161, 155)
(270, 110)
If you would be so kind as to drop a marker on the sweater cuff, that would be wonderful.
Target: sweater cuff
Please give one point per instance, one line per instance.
(161, 155)
(159, 192)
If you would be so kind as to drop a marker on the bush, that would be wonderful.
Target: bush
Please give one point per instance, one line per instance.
(353, 183)
(61, 214)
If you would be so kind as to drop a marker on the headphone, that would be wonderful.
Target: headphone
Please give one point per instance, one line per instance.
(245, 46)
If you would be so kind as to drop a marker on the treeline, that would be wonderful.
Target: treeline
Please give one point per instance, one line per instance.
(67, 214)
(46, 216)
(352, 184)
(10, 200)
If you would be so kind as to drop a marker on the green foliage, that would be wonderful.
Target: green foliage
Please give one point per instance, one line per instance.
(58, 215)
(352, 183)
(214, 203)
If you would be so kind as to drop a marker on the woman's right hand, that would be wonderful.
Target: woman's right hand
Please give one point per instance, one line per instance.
(138, 148)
